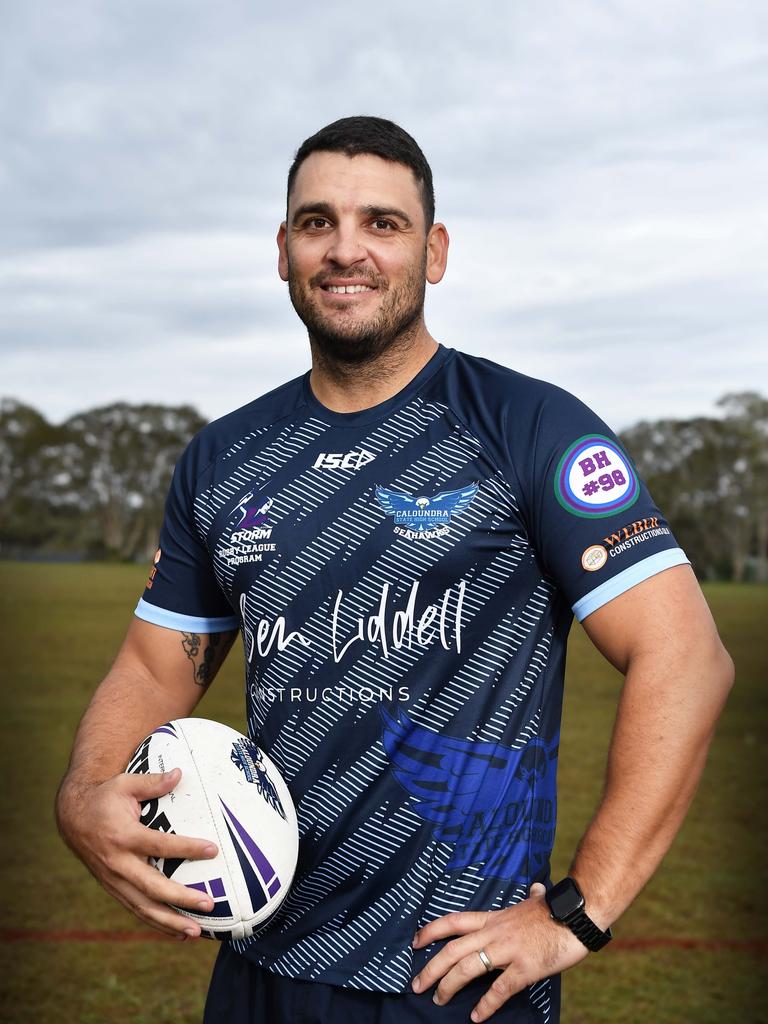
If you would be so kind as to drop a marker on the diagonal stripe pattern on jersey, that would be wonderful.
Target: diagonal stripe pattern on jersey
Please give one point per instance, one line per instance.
(404, 579)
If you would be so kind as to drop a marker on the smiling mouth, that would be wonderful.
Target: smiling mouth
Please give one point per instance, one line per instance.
(347, 289)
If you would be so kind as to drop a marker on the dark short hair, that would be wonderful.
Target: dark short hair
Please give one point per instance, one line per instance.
(354, 136)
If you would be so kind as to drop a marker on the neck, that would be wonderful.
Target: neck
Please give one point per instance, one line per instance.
(350, 387)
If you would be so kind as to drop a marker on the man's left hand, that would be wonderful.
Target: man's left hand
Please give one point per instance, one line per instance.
(522, 941)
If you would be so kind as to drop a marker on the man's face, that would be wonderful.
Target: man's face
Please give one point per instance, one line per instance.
(355, 253)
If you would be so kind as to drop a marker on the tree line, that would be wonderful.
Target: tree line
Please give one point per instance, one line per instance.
(93, 487)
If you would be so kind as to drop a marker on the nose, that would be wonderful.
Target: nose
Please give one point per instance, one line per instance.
(346, 246)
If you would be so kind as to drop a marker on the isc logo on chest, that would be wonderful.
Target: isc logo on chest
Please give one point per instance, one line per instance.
(340, 460)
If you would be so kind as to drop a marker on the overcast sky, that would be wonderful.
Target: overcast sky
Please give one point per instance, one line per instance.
(601, 166)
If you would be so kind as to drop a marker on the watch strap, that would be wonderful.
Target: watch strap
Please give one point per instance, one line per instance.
(575, 917)
(585, 929)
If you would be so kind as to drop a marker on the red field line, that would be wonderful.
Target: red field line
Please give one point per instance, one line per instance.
(626, 945)
(78, 935)
(715, 945)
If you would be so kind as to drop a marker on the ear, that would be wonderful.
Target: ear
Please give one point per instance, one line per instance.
(282, 260)
(437, 252)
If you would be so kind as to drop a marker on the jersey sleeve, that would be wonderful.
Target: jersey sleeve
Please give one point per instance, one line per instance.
(595, 526)
(182, 591)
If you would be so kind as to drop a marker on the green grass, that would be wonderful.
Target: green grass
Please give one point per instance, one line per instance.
(62, 626)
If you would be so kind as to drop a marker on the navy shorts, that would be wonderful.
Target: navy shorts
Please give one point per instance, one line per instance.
(242, 993)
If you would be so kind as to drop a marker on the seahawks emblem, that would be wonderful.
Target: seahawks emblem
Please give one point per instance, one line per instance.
(422, 514)
(247, 757)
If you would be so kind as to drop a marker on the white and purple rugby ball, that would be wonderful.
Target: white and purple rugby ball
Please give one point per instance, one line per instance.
(232, 794)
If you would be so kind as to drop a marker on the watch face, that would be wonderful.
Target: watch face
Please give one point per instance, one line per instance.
(564, 899)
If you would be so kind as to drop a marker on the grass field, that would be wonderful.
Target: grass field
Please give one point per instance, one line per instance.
(61, 627)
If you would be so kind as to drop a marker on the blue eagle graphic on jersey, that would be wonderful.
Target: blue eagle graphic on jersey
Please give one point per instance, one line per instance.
(493, 804)
(421, 513)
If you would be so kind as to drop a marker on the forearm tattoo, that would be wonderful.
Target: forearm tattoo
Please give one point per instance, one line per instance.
(206, 653)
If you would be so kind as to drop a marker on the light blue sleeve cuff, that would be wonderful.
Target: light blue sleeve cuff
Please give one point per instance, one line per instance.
(626, 580)
(184, 623)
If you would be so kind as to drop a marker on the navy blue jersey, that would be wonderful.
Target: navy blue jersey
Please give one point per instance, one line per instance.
(404, 579)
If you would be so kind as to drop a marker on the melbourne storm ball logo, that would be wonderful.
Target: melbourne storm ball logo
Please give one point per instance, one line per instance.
(422, 516)
(247, 757)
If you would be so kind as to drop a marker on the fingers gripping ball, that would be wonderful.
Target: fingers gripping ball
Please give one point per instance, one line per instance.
(231, 794)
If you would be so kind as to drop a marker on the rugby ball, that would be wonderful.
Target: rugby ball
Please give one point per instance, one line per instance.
(232, 794)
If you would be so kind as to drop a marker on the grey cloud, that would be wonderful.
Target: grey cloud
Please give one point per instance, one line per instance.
(553, 130)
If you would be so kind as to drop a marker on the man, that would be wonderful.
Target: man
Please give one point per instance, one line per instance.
(402, 536)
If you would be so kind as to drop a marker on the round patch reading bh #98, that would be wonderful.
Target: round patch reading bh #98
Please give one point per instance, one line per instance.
(595, 479)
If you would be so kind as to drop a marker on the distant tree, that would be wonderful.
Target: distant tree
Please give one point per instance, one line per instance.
(27, 517)
(123, 464)
(93, 486)
(746, 420)
(709, 477)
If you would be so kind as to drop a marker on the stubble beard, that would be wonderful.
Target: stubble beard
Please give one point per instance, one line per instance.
(348, 342)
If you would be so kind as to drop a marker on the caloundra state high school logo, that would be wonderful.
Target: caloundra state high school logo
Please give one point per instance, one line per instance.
(421, 516)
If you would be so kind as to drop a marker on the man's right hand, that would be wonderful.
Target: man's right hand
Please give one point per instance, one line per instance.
(100, 823)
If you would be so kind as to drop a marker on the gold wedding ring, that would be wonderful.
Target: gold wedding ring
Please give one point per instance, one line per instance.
(486, 960)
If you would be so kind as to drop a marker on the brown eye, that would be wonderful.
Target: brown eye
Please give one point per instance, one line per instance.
(383, 225)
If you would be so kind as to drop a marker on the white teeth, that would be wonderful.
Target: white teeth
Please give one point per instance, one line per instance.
(349, 289)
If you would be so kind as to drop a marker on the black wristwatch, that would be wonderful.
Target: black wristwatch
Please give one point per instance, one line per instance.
(566, 905)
